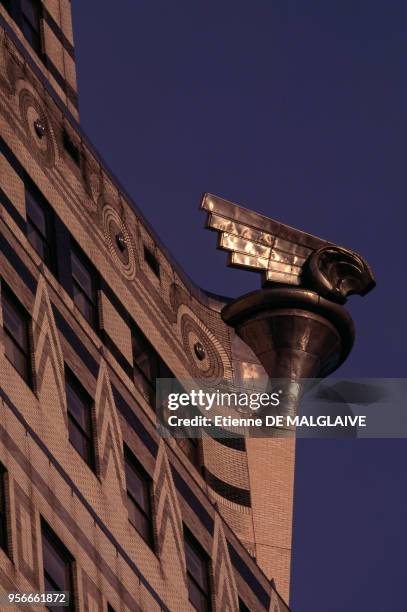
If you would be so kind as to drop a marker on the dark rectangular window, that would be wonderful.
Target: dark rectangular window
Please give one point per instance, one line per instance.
(145, 364)
(7, 5)
(3, 510)
(31, 22)
(242, 606)
(71, 148)
(138, 485)
(39, 225)
(152, 261)
(197, 573)
(191, 447)
(27, 15)
(58, 566)
(79, 404)
(16, 334)
(148, 365)
(84, 285)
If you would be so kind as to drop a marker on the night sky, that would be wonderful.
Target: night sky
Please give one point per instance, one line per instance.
(296, 110)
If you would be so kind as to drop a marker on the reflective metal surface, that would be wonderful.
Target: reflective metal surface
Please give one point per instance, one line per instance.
(294, 332)
(286, 255)
(39, 128)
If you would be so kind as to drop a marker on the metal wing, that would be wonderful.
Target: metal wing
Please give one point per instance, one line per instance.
(258, 243)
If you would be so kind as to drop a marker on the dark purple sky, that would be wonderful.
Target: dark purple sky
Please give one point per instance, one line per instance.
(297, 110)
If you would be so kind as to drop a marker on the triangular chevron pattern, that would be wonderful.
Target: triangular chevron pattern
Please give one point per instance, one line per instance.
(47, 346)
(224, 580)
(275, 603)
(167, 510)
(108, 430)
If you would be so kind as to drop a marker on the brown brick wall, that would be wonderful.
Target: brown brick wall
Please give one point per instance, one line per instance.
(173, 314)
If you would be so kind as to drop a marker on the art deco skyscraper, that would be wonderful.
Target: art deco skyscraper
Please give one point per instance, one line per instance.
(93, 310)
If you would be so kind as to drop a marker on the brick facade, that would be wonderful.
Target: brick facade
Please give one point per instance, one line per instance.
(246, 535)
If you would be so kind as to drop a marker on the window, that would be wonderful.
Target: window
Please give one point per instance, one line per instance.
(31, 22)
(152, 261)
(16, 335)
(3, 510)
(39, 225)
(191, 447)
(138, 485)
(7, 5)
(144, 359)
(71, 148)
(242, 606)
(197, 573)
(148, 365)
(79, 406)
(84, 285)
(58, 565)
(27, 15)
